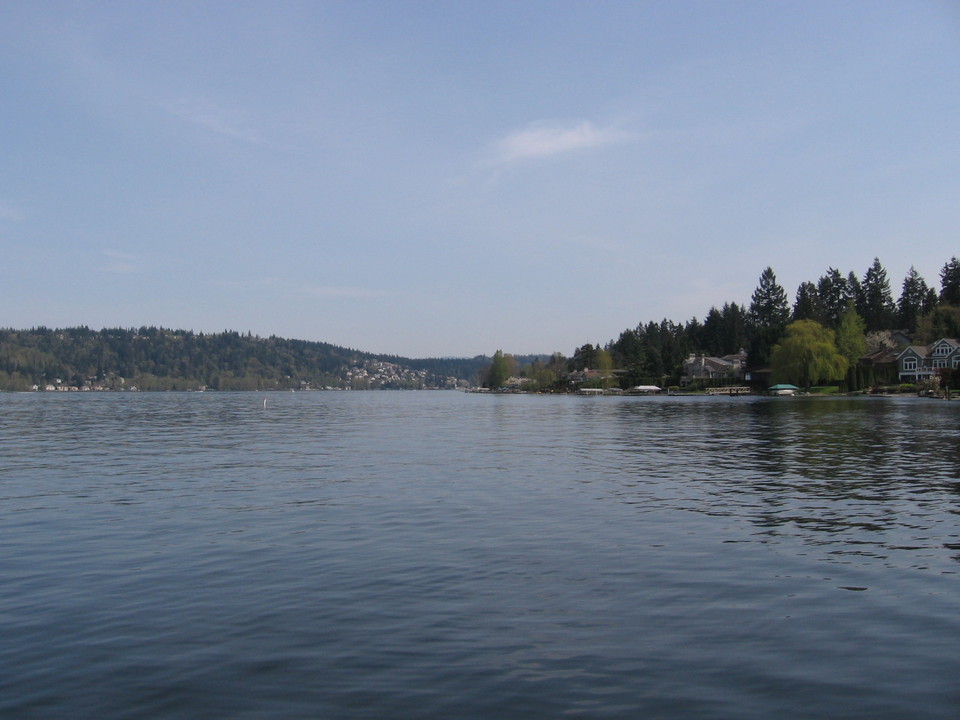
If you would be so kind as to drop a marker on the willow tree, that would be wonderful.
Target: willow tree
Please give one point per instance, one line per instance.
(806, 355)
(605, 367)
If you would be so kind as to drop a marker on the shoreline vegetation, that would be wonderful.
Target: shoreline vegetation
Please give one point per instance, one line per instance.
(841, 331)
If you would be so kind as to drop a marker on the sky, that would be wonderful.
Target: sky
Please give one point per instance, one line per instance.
(450, 178)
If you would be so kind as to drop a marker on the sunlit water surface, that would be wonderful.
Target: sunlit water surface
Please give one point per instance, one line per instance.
(445, 555)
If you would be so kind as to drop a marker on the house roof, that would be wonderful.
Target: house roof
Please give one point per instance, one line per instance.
(881, 356)
(714, 363)
(923, 351)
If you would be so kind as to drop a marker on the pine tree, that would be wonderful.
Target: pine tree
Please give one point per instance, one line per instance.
(855, 293)
(711, 335)
(950, 282)
(768, 304)
(877, 309)
(833, 293)
(807, 304)
(768, 316)
(735, 328)
(914, 300)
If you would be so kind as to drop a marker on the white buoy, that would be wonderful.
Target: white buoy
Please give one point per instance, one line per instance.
(264, 403)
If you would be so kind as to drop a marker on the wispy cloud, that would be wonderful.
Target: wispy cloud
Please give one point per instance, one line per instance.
(595, 242)
(217, 119)
(120, 263)
(541, 140)
(334, 291)
(275, 284)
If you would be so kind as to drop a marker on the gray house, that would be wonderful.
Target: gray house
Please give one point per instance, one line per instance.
(919, 362)
(729, 367)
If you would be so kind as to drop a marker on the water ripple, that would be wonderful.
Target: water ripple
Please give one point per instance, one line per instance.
(378, 555)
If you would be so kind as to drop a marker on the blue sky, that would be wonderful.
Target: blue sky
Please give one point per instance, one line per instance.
(450, 178)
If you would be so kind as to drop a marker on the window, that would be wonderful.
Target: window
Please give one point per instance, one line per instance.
(909, 364)
(941, 350)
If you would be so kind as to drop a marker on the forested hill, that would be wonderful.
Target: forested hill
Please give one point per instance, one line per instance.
(151, 358)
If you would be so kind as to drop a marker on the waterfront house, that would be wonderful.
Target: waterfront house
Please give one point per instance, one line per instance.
(698, 367)
(921, 362)
(880, 366)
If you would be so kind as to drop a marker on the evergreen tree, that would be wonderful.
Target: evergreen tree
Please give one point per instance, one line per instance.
(724, 331)
(630, 354)
(877, 309)
(734, 328)
(807, 304)
(950, 282)
(833, 292)
(692, 333)
(711, 336)
(942, 322)
(584, 358)
(855, 293)
(914, 300)
(767, 317)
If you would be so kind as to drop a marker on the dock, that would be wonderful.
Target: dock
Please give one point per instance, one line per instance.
(732, 390)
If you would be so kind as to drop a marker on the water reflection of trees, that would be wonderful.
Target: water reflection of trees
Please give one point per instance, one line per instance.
(857, 476)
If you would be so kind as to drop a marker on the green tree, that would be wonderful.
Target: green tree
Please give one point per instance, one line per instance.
(833, 293)
(499, 371)
(943, 322)
(807, 304)
(734, 328)
(855, 293)
(767, 317)
(605, 366)
(630, 354)
(950, 282)
(914, 302)
(851, 338)
(711, 333)
(558, 366)
(877, 308)
(807, 354)
(584, 358)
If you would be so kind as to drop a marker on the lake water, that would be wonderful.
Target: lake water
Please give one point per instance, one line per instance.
(446, 555)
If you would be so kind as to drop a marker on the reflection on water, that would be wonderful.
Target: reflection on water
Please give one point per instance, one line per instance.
(423, 555)
(865, 477)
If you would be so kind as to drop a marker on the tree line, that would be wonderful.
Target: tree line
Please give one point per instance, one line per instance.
(836, 313)
(819, 336)
(153, 358)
